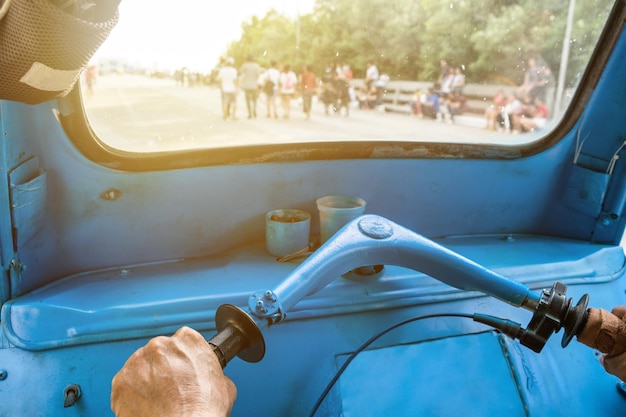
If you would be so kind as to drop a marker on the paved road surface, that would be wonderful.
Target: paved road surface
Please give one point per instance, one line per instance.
(137, 113)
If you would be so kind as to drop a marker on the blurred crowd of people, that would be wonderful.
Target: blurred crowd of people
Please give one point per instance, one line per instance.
(525, 109)
(277, 85)
(445, 99)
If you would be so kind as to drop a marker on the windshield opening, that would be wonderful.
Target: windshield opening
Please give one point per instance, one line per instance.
(188, 76)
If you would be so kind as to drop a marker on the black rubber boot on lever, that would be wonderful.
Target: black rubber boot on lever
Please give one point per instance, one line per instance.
(238, 335)
(555, 311)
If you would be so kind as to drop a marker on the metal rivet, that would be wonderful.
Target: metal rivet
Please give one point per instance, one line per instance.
(3, 374)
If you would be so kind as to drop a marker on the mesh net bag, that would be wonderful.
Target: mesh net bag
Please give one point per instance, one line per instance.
(43, 48)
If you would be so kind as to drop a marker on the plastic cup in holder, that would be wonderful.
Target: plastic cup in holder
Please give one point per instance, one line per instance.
(286, 231)
(336, 211)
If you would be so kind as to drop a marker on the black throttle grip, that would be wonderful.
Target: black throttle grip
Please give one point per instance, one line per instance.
(238, 335)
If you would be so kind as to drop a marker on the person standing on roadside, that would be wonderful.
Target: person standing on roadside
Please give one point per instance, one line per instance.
(269, 84)
(287, 88)
(250, 72)
(444, 72)
(227, 76)
(371, 75)
(308, 86)
(90, 78)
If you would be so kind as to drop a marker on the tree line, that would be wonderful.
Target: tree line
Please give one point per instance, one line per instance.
(491, 40)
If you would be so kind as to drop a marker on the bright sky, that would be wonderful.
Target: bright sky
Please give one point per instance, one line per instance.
(163, 34)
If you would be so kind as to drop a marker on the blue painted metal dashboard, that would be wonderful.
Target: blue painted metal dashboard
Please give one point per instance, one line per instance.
(106, 314)
(115, 256)
(147, 300)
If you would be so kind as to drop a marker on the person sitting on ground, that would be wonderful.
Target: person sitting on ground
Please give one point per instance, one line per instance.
(535, 117)
(430, 104)
(450, 105)
(416, 103)
(523, 109)
(509, 117)
(369, 99)
(494, 110)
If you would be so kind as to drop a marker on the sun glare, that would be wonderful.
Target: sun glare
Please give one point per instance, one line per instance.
(191, 33)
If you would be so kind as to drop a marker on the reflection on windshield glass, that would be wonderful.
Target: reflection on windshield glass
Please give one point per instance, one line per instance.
(272, 71)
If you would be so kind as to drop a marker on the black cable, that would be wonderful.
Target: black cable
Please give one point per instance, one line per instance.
(353, 355)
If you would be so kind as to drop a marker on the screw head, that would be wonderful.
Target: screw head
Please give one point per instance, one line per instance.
(260, 307)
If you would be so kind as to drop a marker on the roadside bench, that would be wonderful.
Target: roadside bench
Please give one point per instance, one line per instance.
(398, 94)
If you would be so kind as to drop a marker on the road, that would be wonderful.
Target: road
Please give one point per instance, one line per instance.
(138, 113)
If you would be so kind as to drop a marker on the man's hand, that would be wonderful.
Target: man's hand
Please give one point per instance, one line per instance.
(607, 332)
(616, 364)
(176, 376)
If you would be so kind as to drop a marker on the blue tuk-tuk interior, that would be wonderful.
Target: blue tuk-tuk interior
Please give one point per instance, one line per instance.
(460, 288)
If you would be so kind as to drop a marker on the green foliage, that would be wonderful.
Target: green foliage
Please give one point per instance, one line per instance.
(272, 37)
(491, 40)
